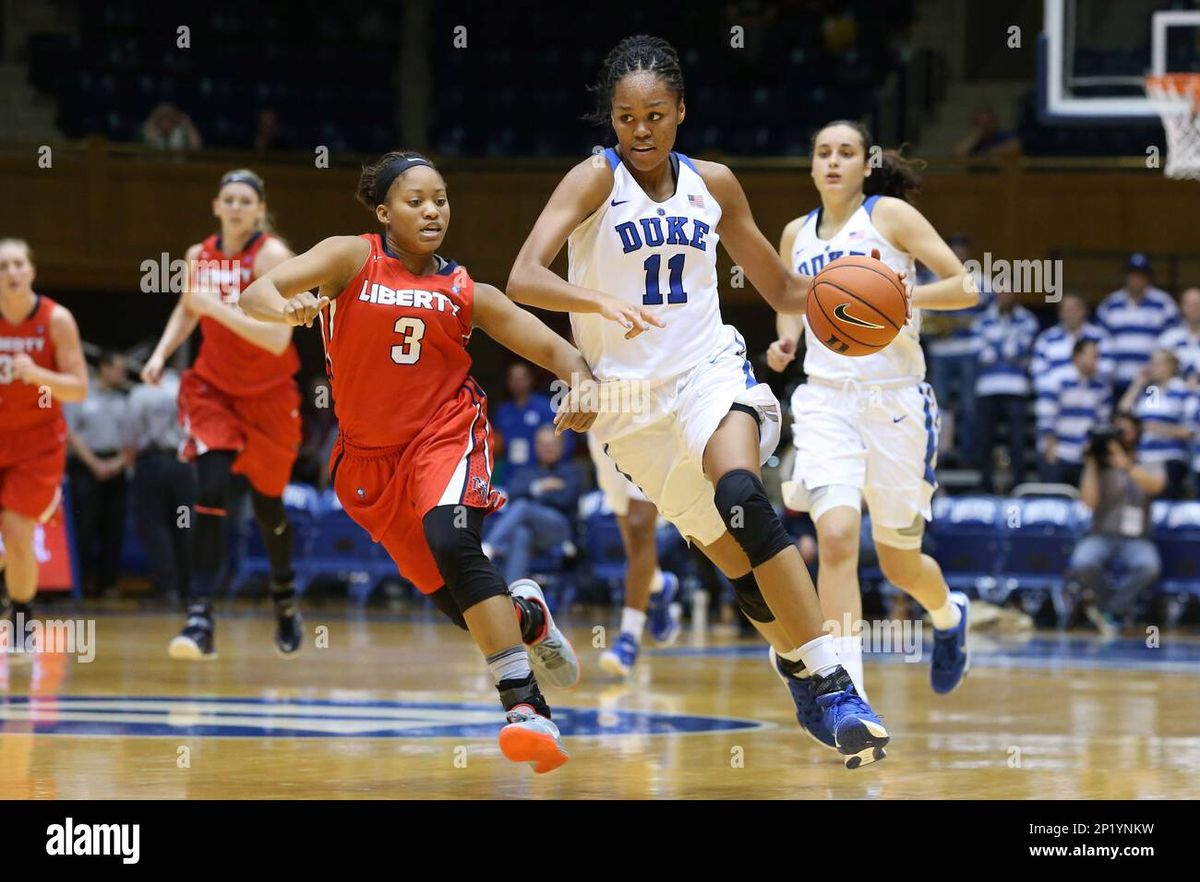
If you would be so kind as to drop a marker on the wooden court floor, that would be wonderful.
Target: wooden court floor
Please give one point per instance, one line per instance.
(401, 707)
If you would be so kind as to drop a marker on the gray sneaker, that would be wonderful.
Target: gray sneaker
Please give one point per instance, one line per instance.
(552, 656)
(531, 738)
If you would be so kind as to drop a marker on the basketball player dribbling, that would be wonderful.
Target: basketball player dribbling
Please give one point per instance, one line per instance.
(413, 461)
(642, 224)
(41, 367)
(866, 427)
(239, 405)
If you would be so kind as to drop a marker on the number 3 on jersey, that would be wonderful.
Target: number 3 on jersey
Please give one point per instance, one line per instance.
(653, 295)
(413, 329)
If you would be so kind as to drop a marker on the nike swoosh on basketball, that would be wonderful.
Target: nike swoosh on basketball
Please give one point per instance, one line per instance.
(840, 312)
(618, 202)
(899, 418)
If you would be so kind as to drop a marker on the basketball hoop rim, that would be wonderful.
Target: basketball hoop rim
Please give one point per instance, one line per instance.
(1175, 85)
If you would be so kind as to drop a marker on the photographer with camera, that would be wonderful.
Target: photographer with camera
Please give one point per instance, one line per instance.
(1118, 489)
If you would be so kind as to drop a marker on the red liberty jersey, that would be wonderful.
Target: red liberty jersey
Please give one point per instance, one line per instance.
(19, 401)
(395, 347)
(234, 365)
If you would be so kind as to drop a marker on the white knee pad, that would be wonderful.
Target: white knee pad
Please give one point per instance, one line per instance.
(906, 538)
(823, 499)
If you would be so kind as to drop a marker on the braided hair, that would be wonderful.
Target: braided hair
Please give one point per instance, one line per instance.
(638, 53)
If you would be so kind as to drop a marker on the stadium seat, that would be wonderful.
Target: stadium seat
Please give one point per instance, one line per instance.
(966, 541)
(1039, 535)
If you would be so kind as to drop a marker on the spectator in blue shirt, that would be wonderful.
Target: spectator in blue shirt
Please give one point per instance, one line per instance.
(517, 420)
(1160, 398)
(1005, 334)
(543, 504)
(1053, 350)
(1135, 317)
(951, 346)
(1076, 399)
(1184, 338)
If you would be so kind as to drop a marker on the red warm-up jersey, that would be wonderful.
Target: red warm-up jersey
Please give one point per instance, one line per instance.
(20, 403)
(395, 347)
(232, 364)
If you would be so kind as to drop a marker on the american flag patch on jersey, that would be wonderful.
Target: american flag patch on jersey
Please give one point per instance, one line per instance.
(696, 201)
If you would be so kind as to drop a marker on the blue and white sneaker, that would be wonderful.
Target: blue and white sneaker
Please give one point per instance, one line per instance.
(665, 612)
(620, 659)
(857, 730)
(551, 655)
(808, 713)
(951, 659)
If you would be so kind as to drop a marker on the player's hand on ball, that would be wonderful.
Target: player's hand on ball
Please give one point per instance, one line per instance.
(578, 409)
(303, 308)
(780, 354)
(634, 319)
(23, 368)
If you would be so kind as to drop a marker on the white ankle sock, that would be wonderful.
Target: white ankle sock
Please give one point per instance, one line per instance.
(509, 664)
(850, 654)
(947, 617)
(633, 622)
(819, 655)
(656, 581)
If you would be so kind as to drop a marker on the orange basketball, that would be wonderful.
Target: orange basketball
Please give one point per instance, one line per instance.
(856, 305)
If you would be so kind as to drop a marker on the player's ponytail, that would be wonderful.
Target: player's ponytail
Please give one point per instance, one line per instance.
(640, 52)
(892, 173)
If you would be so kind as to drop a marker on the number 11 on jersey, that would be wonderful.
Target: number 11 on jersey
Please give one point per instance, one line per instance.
(653, 295)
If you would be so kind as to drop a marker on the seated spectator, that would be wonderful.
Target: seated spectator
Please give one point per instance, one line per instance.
(1004, 340)
(1118, 488)
(1184, 338)
(518, 419)
(1054, 348)
(986, 138)
(268, 133)
(169, 128)
(952, 358)
(1167, 408)
(1077, 399)
(1135, 317)
(543, 502)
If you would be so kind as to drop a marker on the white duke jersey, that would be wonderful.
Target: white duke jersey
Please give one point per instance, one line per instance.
(659, 255)
(902, 361)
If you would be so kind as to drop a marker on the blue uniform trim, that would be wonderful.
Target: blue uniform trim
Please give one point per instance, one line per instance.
(613, 158)
(930, 436)
(686, 161)
(869, 204)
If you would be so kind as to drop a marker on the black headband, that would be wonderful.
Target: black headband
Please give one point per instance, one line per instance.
(393, 170)
(248, 180)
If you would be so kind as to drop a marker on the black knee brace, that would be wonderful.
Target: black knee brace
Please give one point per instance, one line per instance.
(750, 600)
(444, 601)
(453, 535)
(276, 533)
(749, 517)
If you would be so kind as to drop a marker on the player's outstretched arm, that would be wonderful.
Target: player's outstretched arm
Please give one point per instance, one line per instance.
(533, 283)
(902, 224)
(284, 294)
(68, 383)
(783, 289)
(179, 327)
(523, 333)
